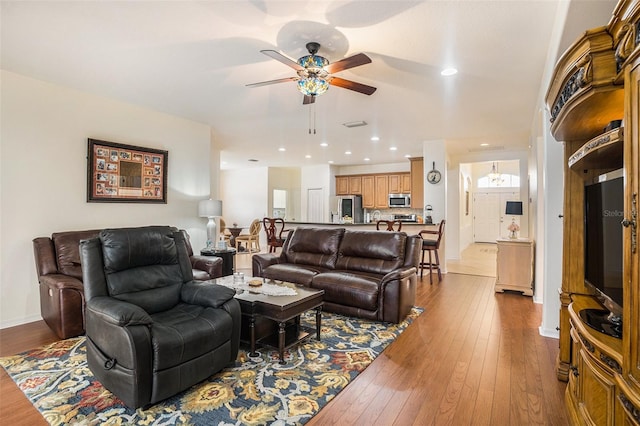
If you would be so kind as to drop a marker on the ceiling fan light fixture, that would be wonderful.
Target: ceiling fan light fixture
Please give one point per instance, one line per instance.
(313, 85)
(313, 63)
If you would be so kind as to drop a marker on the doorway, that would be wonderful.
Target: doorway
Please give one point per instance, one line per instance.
(489, 217)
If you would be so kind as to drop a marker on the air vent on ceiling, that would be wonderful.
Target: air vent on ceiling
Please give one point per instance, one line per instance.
(253, 160)
(355, 124)
(486, 148)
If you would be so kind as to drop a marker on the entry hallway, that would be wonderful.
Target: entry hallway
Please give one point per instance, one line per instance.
(474, 357)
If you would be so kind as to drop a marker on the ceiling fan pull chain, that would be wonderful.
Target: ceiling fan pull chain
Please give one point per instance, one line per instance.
(314, 118)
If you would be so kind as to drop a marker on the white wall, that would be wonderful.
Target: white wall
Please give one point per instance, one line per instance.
(245, 197)
(43, 176)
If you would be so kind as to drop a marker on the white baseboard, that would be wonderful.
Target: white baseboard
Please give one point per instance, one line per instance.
(13, 323)
(553, 333)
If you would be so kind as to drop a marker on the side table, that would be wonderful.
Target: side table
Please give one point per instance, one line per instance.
(227, 256)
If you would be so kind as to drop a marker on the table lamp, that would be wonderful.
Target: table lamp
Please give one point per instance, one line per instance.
(514, 208)
(210, 209)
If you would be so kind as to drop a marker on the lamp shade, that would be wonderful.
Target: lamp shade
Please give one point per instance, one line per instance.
(210, 208)
(514, 208)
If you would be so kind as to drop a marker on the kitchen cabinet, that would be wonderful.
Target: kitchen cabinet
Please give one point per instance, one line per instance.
(355, 185)
(342, 185)
(417, 182)
(400, 183)
(405, 179)
(368, 192)
(381, 192)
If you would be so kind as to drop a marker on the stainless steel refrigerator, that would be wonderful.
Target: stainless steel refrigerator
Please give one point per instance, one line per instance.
(351, 206)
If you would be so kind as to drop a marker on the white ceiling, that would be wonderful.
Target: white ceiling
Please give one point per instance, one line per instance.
(193, 60)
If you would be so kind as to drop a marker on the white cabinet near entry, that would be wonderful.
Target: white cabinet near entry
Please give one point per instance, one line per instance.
(515, 265)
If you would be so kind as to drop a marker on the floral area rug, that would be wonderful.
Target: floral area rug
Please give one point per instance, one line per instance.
(257, 391)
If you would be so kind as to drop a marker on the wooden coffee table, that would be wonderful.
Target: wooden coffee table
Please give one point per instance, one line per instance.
(275, 320)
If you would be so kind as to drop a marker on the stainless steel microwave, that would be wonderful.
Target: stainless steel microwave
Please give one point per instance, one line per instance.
(399, 200)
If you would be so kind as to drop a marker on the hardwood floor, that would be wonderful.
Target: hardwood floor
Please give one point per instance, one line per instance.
(474, 357)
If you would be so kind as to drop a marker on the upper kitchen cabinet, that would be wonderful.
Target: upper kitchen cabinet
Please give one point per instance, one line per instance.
(342, 185)
(355, 185)
(382, 191)
(368, 192)
(400, 183)
(417, 182)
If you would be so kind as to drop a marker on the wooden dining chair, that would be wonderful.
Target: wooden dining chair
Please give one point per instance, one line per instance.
(274, 228)
(388, 225)
(431, 245)
(252, 239)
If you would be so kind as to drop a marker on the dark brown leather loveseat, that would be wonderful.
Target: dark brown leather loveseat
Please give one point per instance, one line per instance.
(366, 274)
(60, 277)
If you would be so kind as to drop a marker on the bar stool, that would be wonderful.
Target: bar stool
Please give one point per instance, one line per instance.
(389, 225)
(431, 245)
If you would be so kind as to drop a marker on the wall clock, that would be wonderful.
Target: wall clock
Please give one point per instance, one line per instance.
(434, 175)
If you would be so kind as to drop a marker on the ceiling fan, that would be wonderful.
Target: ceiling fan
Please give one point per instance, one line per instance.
(315, 73)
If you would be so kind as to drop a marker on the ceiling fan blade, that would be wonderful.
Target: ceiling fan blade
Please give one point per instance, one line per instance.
(308, 100)
(283, 58)
(346, 63)
(265, 83)
(352, 85)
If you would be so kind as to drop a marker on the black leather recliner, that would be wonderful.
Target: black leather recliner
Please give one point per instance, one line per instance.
(151, 330)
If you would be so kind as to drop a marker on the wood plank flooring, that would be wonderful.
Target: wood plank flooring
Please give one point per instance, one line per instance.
(474, 357)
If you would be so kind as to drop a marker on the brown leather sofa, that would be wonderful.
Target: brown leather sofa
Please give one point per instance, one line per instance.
(366, 274)
(60, 277)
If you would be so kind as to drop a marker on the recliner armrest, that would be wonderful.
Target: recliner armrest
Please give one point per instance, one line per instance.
(206, 294)
(211, 265)
(61, 281)
(117, 312)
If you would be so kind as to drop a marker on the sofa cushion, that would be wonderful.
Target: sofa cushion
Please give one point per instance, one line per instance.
(348, 288)
(299, 274)
(376, 252)
(313, 246)
(67, 251)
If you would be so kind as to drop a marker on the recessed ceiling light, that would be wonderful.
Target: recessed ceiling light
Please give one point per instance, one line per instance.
(407, 156)
(324, 144)
(307, 156)
(449, 71)
(393, 148)
(367, 159)
(375, 139)
(330, 161)
(484, 144)
(224, 162)
(347, 153)
(282, 149)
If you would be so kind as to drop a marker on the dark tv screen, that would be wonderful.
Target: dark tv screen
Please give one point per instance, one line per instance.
(604, 210)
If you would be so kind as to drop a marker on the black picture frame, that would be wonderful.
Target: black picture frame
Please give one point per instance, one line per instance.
(119, 173)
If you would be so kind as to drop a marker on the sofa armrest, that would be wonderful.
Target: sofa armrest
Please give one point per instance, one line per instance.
(61, 281)
(206, 294)
(399, 274)
(45, 256)
(210, 264)
(117, 312)
(262, 261)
